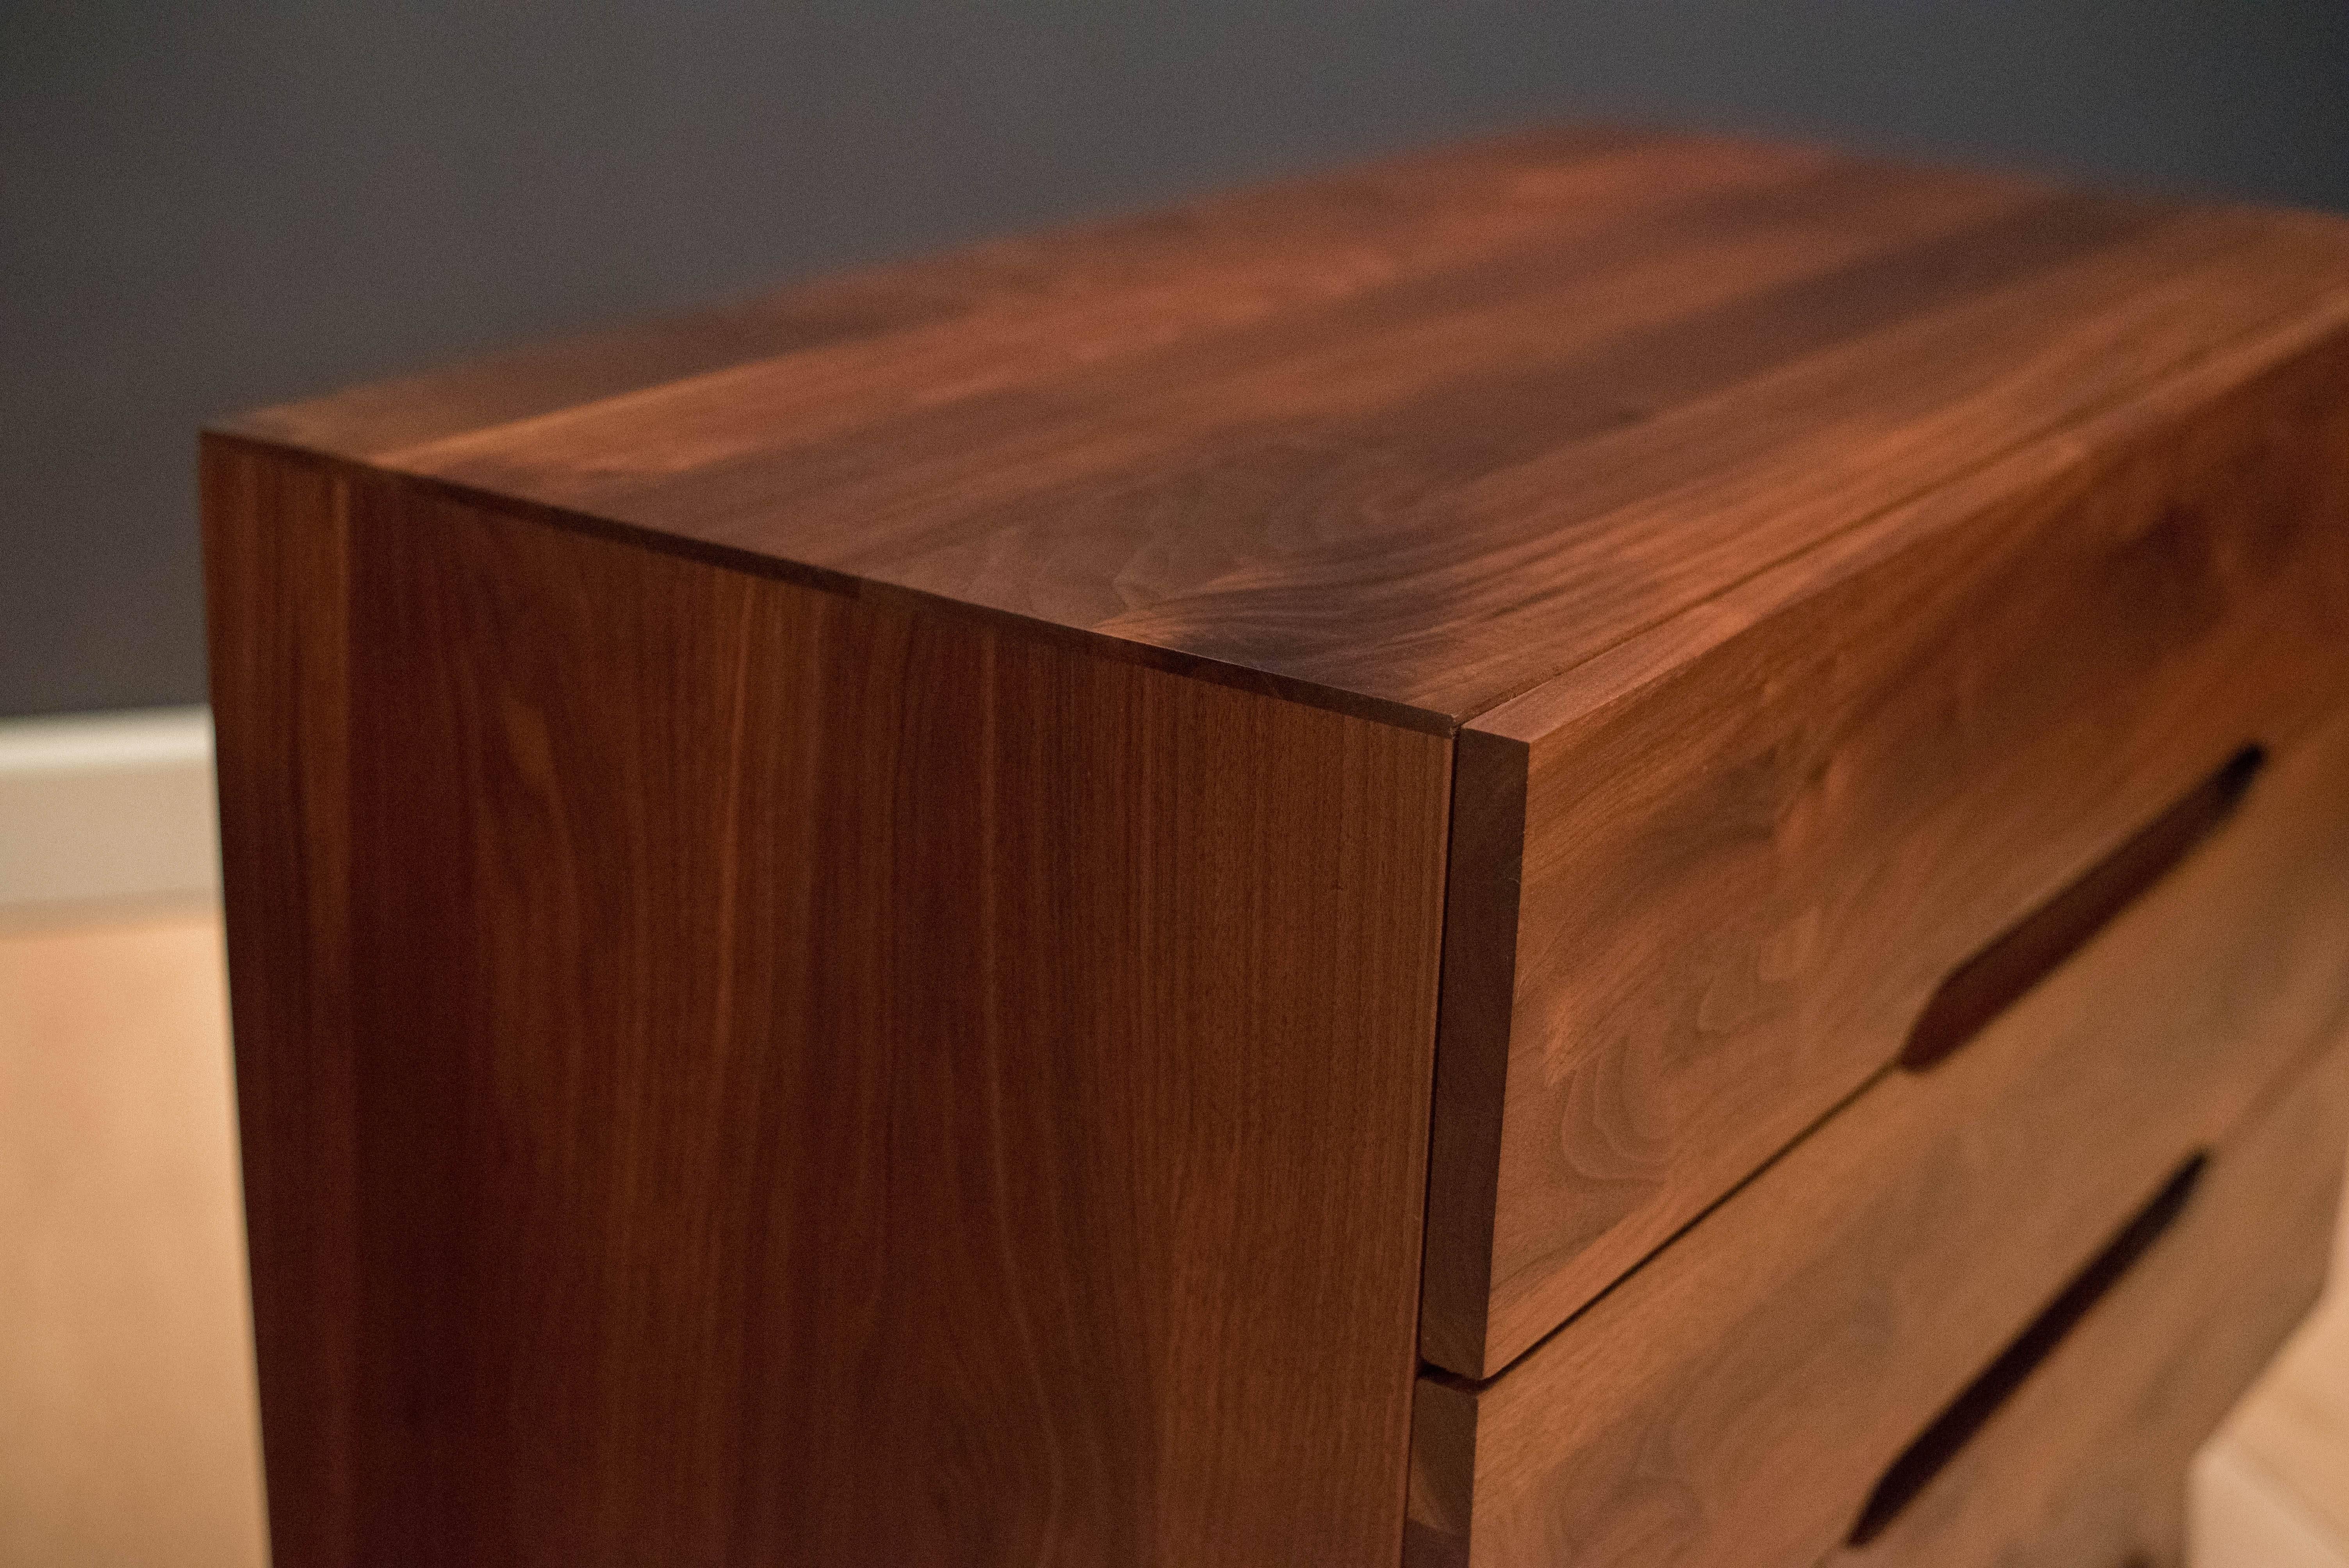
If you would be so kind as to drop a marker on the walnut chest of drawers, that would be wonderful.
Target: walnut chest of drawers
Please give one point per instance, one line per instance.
(1605, 849)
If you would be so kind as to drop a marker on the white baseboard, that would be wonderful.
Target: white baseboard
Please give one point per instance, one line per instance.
(107, 809)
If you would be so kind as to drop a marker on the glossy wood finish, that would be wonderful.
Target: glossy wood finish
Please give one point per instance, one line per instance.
(1736, 1399)
(837, 903)
(278, 586)
(1703, 888)
(1446, 440)
(736, 1073)
(2085, 1467)
(1405, 441)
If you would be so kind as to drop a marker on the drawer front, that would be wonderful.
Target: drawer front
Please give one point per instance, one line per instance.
(1736, 1399)
(2085, 1466)
(1703, 889)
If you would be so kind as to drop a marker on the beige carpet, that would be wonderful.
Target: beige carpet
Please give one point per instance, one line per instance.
(126, 1431)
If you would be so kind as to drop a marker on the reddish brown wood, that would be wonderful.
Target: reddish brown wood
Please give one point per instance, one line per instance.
(1735, 1401)
(277, 578)
(837, 903)
(2087, 1463)
(781, 1078)
(1406, 441)
(1757, 841)
(2000, 974)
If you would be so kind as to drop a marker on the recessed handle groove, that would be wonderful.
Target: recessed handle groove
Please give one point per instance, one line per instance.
(1992, 980)
(1972, 1409)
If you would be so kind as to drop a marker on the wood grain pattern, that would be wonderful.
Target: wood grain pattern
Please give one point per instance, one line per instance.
(1405, 443)
(837, 903)
(1735, 1399)
(2085, 1467)
(735, 1073)
(278, 585)
(1753, 843)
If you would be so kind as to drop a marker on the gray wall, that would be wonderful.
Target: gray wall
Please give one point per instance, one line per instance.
(206, 206)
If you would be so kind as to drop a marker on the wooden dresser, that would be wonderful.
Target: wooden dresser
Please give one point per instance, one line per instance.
(1599, 850)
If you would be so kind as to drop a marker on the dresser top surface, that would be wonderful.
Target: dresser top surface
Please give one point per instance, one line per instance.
(1407, 439)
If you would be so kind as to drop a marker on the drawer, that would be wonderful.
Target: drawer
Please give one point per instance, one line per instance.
(1706, 886)
(1735, 1400)
(2085, 1464)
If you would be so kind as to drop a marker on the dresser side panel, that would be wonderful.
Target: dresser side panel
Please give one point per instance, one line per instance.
(277, 568)
(829, 1085)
